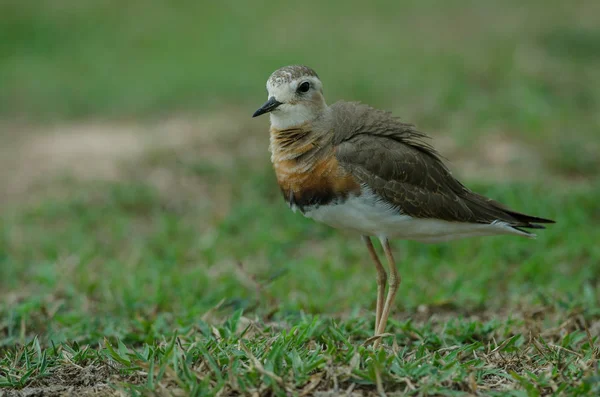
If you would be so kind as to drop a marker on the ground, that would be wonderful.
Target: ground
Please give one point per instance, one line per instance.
(145, 248)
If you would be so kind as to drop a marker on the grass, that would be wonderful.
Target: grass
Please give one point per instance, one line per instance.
(240, 357)
(182, 272)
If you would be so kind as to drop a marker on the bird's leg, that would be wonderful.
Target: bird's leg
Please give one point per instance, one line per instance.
(381, 280)
(393, 281)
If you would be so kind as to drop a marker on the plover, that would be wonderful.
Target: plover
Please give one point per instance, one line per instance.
(361, 169)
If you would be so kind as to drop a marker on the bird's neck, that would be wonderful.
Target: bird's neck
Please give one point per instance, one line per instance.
(295, 134)
(295, 142)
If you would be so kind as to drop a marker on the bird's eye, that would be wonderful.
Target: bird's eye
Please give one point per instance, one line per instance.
(304, 87)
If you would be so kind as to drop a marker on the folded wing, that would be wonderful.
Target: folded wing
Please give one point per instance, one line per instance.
(397, 164)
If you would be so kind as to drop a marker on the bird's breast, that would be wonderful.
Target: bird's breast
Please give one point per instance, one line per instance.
(308, 182)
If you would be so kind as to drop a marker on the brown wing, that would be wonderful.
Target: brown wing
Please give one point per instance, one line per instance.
(406, 172)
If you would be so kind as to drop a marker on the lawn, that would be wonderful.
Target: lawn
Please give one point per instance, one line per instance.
(145, 248)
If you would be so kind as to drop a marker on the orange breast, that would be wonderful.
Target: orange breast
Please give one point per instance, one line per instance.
(316, 183)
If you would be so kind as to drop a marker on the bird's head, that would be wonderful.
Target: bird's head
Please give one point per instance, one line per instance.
(295, 96)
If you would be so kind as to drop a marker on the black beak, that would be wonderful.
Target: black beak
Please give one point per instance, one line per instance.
(268, 106)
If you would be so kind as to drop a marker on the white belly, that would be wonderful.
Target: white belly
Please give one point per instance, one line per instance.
(366, 215)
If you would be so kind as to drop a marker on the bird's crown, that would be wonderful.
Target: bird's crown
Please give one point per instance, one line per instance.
(287, 74)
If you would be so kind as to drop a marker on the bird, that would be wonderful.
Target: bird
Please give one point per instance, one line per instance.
(364, 170)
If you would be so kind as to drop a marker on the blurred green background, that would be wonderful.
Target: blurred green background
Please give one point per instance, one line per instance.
(528, 65)
(135, 181)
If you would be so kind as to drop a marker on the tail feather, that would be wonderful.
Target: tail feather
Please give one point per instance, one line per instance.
(492, 211)
(528, 221)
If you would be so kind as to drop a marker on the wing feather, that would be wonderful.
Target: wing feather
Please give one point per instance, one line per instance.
(394, 160)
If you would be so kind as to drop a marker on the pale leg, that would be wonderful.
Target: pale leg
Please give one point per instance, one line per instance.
(394, 283)
(381, 280)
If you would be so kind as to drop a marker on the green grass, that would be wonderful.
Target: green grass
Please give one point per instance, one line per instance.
(124, 278)
(186, 274)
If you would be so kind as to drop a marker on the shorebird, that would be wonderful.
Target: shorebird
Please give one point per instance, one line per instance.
(361, 169)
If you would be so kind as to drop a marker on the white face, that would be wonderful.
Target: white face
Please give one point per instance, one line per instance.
(302, 100)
